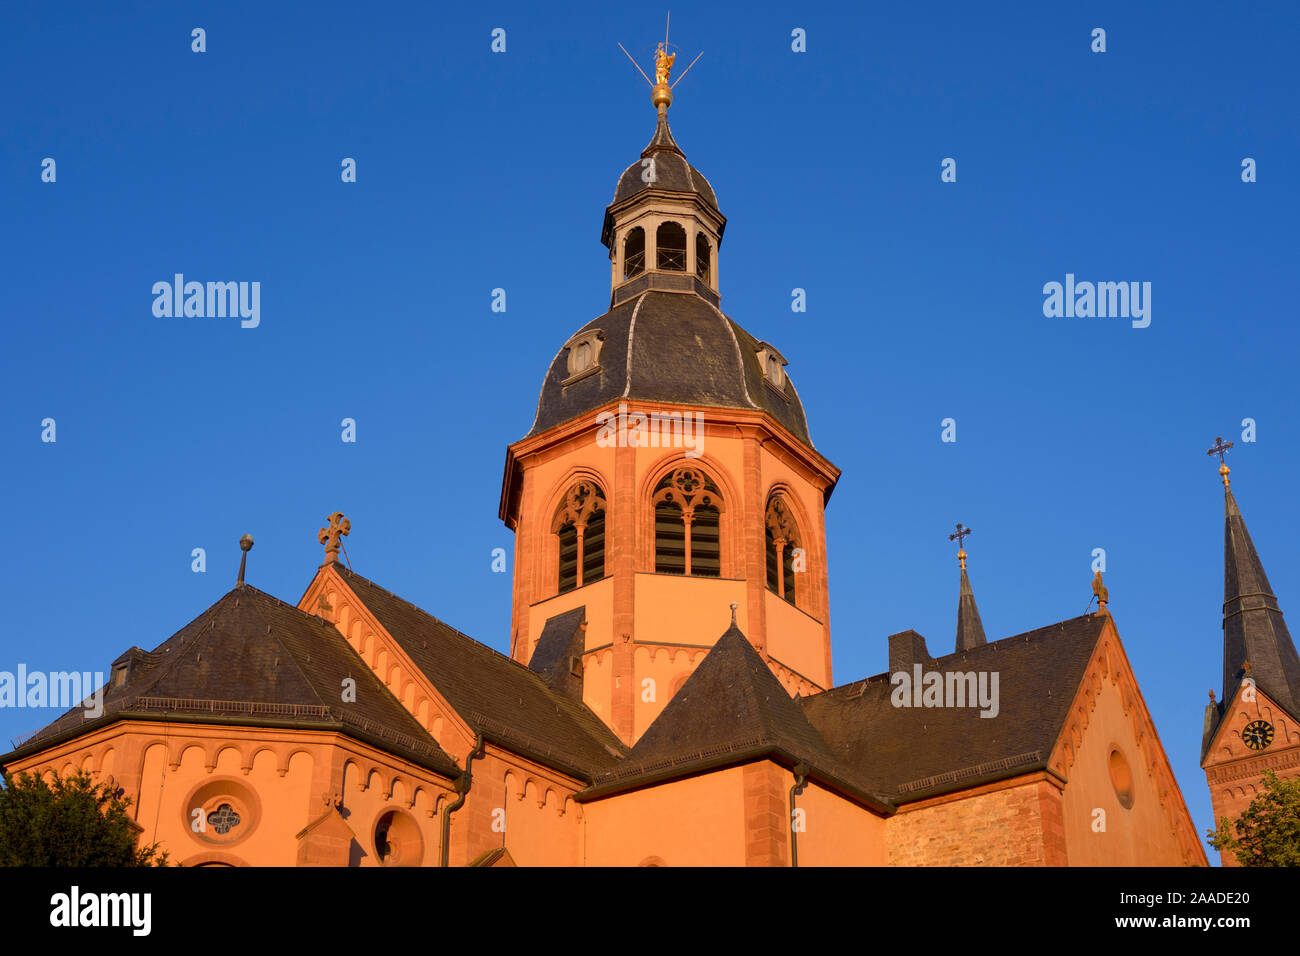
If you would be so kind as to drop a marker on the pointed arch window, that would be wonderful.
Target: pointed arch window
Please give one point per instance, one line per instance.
(634, 253)
(670, 247)
(782, 540)
(702, 261)
(688, 524)
(580, 525)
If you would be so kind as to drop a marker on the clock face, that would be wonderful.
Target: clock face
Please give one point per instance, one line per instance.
(1257, 734)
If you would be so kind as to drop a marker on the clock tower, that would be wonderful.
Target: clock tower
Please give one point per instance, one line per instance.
(1256, 725)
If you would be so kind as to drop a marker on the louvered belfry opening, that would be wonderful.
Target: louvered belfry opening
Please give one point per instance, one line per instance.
(688, 524)
(580, 526)
(781, 536)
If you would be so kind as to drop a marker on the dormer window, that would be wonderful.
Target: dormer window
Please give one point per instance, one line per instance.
(773, 365)
(125, 667)
(584, 355)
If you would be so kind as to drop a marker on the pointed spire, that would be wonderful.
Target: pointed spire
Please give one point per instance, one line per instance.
(662, 141)
(1256, 641)
(970, 629)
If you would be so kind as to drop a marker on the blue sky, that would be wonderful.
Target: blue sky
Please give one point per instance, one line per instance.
(479, 170)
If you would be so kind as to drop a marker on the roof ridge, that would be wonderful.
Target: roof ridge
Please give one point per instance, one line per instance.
(740, 358)
(1036, 633)
(631, 332)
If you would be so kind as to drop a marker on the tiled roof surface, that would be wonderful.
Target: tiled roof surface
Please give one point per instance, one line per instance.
(494, 694)
(915, 752)
(253, 659)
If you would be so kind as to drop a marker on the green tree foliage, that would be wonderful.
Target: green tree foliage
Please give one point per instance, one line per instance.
(1268, 831)
(74, 822)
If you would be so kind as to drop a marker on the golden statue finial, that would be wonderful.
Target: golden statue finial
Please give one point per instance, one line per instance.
(663, 65)
(661, 91)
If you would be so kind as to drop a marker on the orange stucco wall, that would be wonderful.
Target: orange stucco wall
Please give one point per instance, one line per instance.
(1099, 830)
(699, 821)
(837, 831)
(276, 780)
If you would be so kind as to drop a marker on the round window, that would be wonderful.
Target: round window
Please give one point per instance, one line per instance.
(1121, 777)
(397, 840)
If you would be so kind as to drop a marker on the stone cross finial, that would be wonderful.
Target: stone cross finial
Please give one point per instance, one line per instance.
(338, 526)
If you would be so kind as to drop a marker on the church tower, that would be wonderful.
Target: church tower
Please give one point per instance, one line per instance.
(1256, 725)
(669, 480)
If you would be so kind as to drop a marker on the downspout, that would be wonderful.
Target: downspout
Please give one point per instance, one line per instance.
(463, 783)
(800, 781)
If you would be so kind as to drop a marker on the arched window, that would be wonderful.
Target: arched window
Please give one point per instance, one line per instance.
(670, 246)
(782, 536)
(634, 253)
(688, 512)
(580, 524)
(702, 257)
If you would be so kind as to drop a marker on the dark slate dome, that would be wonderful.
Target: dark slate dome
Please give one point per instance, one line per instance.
(672, 171)
(668, 348)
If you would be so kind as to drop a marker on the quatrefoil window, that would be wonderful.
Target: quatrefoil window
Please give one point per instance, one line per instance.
(224, 819)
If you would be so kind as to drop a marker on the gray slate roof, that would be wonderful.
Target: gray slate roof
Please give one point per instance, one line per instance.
(251, 659)
(495, 695)
(914, 753)
(731, 709)
(683, 350)
(672, 171)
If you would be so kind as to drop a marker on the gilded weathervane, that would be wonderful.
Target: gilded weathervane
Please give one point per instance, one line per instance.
(661, 92)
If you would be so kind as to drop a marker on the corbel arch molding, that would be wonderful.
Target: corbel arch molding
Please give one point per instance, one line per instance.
(177, 749)
(257, 749)
(596, 656)
(286, 759)
(730, 521)
(241, 755)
